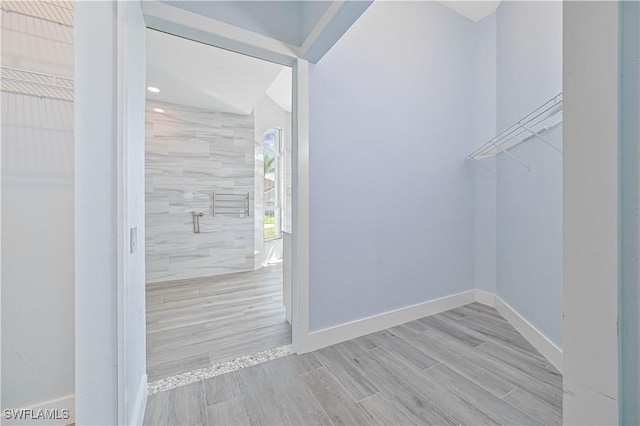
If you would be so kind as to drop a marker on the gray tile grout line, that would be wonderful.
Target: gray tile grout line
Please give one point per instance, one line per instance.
(315, 398)
(520, 408)
(204, 402)
(429, 368)
(508, 393)
(346, 392)
(435, 404)
(478, 384)
(502, 345)
(367, 397)
(349, 361)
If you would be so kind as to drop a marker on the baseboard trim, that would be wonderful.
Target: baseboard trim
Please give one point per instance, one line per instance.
(52, 406)
(486, 298)
(534, 336)
(351, 330)
(137, 416)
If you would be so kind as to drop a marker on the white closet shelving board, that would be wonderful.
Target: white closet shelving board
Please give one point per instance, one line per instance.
(17, 81)
(59, 12)
(35, 21)
(533, 125)
(36, 42)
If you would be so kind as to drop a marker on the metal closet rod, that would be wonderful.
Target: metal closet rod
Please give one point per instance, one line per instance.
(524, 125)
(517, 129)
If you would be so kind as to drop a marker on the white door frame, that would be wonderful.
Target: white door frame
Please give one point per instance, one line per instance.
(590, 212)
(181, 23)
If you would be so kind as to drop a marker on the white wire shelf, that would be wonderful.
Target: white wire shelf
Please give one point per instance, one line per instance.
(30, 83)
(533, 125)
(56, 11)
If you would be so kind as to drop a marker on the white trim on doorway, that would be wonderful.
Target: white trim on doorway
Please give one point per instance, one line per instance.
(300, 207)
(181, 23)
(140, 403)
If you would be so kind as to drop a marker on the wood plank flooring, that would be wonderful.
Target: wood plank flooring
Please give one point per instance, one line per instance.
(465, 366)
(195, 323)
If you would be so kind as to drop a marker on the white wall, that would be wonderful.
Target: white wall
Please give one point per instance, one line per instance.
(391, 197)
(529, 54)
(483, 119)
(109, 195)
(132, 30)
(529, 203)
(529, 233)
(95, 204)
(37, 222)
(590, 216)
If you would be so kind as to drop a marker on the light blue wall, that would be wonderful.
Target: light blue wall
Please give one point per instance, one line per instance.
(483, 118)
(630, 214)
(529, 234)
(529, 43)
(391, 196)
(529, 204)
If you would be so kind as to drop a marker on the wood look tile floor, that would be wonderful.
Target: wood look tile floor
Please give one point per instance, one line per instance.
(465, 366)
(196, 323)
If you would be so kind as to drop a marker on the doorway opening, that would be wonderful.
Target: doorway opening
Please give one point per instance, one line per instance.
(218, 206)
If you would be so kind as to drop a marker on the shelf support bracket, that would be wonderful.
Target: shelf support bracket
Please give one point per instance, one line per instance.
(537, 135)
(513, 157)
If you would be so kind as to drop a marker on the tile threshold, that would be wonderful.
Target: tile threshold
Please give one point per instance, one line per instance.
(244, 361)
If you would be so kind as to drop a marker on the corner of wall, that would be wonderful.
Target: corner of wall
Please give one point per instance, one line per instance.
(351, 330)
(534, 336)
(486, 298)
(140, 403)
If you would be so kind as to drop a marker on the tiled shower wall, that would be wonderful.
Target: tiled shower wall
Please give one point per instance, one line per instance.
(191, 153)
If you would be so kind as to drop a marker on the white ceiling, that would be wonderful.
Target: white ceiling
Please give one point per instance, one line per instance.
(280, 89)
(474, 10)
(201, 76)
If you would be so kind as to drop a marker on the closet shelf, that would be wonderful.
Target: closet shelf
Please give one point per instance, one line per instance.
(30, 83)
(532, 125)
(58, 11)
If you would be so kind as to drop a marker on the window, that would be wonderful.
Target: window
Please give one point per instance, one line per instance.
(272, 183)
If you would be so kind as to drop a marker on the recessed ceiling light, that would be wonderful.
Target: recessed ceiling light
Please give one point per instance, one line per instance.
(158, 110)
(153, 89)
